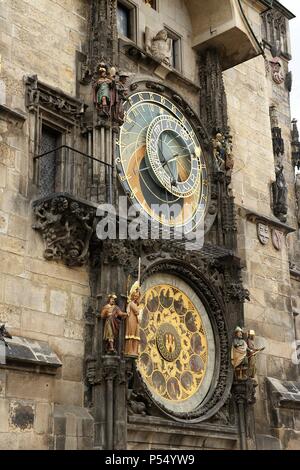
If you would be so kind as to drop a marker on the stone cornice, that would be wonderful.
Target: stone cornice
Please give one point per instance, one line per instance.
(255, 217)
(13, 113)
(278, 6)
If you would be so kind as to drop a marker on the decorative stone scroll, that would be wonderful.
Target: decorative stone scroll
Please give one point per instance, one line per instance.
(53, 99)
(66, 226)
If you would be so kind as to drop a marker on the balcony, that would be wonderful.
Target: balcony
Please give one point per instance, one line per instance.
(233, 27)
(70, 185)
(67, 170)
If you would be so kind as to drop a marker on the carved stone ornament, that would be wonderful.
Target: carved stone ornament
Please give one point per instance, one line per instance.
(280, 194)
(277, 71)
(263, 233)
(39, 94)
(159, 46)
(277, 239)
(66, 227)
(219, 392)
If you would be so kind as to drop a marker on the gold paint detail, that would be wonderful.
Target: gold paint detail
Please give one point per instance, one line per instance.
(174, 348)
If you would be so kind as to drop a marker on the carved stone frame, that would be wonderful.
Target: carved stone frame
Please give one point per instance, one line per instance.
(223, 373)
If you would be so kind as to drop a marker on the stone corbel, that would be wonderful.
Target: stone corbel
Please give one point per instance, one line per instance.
(66, 225)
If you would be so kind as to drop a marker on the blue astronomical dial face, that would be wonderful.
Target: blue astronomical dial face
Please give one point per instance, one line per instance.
(173, 156)
(160, 162)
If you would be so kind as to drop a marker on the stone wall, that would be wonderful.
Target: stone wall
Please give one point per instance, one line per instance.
(250, 93)
(38, 299)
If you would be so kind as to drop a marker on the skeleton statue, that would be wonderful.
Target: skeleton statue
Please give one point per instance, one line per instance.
(159, 46)
(222, 150)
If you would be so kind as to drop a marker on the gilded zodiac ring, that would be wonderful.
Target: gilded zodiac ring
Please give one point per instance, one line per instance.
(168, 342)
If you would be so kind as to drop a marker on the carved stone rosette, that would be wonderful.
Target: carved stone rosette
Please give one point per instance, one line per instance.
(66, 226)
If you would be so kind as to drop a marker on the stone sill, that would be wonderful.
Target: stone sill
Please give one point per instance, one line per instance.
(29, 355)
(14, 113)
(51, 196)
(149, 423)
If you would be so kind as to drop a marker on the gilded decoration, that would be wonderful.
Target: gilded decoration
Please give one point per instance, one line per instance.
(174, 351)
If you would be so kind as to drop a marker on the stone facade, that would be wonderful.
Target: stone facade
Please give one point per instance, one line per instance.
(51, 291)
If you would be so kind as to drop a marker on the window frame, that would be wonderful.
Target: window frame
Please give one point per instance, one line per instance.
(178, 38)
(132, 10)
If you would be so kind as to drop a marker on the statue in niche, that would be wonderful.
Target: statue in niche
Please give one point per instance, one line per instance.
(119, 96)
(159, 46)
(297, 190)
(112, 315)
(239, 358)
(132, 334)
(243, 354)
(280, 194)
(222, 150)
(251, 353)
(103, 89)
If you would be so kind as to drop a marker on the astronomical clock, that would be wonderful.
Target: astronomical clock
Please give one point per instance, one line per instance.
(161, 164)
(165, 167)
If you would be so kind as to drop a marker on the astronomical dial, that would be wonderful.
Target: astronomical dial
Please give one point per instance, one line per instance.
(177, 351)
(160, 162)
(174, 158)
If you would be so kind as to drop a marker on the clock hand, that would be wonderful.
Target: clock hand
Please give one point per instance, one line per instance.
(175, 157)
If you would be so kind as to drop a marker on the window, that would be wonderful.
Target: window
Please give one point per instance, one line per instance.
(176, 50)
(50, 140)
(126, 17)
(151, 3)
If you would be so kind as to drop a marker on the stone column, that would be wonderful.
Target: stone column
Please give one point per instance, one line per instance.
(243, 392)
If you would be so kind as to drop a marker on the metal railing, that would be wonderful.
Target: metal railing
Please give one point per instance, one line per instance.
(65, 169)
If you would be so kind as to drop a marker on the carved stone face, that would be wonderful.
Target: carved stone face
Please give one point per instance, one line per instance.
(162, 35)
(263, 233)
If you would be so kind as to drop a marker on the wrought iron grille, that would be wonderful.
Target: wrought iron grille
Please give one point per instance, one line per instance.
(65, 169)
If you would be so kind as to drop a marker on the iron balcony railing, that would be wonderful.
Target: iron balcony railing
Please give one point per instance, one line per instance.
(65, 169)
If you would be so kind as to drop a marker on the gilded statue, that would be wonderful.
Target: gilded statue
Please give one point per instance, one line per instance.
(252, 352)
(132, 330)
(112, 315)
(243, 354)
(159, 46)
